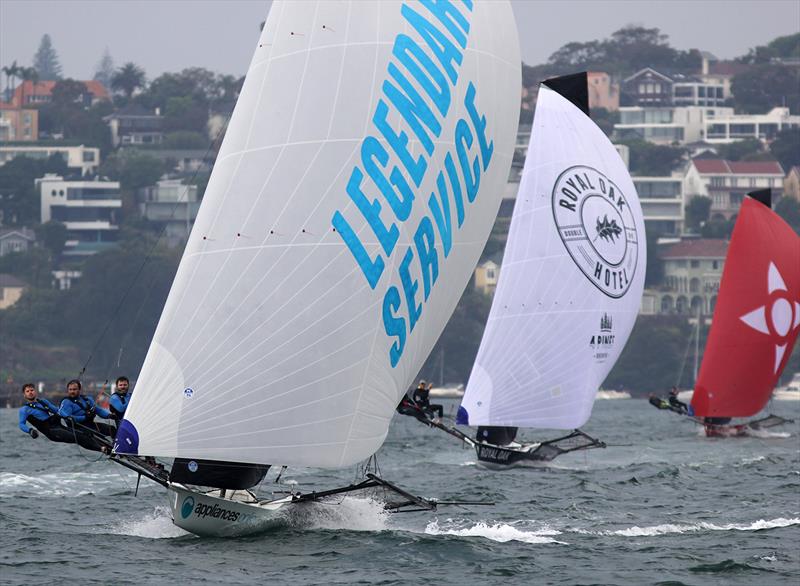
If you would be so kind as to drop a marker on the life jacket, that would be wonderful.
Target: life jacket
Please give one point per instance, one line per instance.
(85, 405)
(125, 400)
(40, 406)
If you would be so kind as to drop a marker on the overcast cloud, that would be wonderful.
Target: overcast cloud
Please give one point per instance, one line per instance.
(169, 35)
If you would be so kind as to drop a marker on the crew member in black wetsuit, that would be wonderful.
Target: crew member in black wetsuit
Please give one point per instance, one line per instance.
(42, 415)
(675, 403)
(79, 411)
(422, 399)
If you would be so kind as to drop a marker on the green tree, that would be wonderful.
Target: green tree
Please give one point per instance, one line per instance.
(718, 228)
(184, 139)
(460, 339)
(46, 60)
(133, 169)
(67, 92)
(33, 266)
(12, 72)
(789, 209)
(740, 150)
(53, 235)
(659, 342)
(767, 86)
(697, 212)
(787, 47)
(605, 119)
(104, 71)
(654, 273)
(19, 198)
(127, 79)
(786, 148)
(185, 113)
(653, 159)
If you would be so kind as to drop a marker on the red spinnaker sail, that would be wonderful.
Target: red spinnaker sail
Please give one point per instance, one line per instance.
(756, 319)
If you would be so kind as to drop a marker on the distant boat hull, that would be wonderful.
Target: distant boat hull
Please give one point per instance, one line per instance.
(504, 457)
(209, 515)
(786, 396)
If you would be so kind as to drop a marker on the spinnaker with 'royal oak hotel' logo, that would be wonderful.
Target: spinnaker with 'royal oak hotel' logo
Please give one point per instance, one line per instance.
(569, 290)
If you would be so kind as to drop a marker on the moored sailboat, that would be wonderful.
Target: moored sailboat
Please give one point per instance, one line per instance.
(569, 289)
(354, 191)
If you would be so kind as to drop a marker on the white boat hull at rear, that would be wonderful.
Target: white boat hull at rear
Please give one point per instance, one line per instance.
(209, 515)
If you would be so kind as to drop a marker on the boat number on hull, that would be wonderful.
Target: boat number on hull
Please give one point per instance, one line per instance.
(597, 227)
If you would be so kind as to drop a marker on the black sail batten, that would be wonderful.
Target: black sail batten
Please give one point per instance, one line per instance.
(763, 196)
(217, 474)
(574, 87)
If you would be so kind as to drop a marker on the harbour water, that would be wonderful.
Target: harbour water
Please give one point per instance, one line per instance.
(661, 505)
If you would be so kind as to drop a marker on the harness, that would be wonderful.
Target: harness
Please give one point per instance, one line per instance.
(125, 399)
(85, 405)
(53, 415)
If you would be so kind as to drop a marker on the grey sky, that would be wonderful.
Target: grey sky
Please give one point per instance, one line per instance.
(168, 35)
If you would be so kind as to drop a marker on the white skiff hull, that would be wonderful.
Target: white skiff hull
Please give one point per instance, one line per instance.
(208, 515)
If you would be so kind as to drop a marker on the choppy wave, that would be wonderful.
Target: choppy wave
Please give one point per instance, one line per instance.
(501, 532)
(349, 513)
(669, 528)
(156, 525)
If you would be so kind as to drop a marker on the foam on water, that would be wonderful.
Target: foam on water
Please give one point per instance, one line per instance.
(57, 484)
(155, 525)
(350, 513)
(669, 528)
(501, 532)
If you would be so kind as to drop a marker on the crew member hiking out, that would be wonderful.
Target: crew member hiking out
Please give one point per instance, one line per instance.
(43, 418)
(79, 411)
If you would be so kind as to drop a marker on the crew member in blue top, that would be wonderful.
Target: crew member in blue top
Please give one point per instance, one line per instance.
(120, 398)
(79, 412)
(42, 415)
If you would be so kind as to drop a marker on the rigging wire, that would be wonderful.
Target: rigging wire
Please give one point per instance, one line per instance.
(149, 254)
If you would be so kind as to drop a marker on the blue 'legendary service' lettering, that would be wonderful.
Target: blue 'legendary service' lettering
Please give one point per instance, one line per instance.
(417, 93)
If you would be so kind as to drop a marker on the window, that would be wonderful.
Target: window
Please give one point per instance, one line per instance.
(490, 274)
(88, 156)
(715, 264)
(695, 264)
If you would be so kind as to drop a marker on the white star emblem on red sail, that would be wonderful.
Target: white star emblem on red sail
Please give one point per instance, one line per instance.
(782, 314)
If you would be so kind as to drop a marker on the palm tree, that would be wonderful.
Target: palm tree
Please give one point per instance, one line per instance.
(127, 78)
(11, 71)
(27, 74)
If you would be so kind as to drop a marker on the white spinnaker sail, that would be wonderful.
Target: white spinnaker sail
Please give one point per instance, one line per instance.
(571, 279)
(286, 337)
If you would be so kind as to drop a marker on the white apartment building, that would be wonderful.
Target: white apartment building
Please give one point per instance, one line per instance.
(727, 182)
(684, 124)
(741, 126)
(88, 209)
(662, 203)
(173, 205)
(77, 157)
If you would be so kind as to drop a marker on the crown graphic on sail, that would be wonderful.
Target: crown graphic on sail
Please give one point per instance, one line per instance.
(572, 274)
(357, 184)
(756, 317)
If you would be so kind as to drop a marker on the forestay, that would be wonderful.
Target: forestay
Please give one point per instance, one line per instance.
(571, 279)
(359, 178)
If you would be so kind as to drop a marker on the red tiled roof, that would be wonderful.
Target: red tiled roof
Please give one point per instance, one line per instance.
(755, 167)
(727, 67)
(45, 88)
(711, 165)
(699, 248)
(722, 167)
